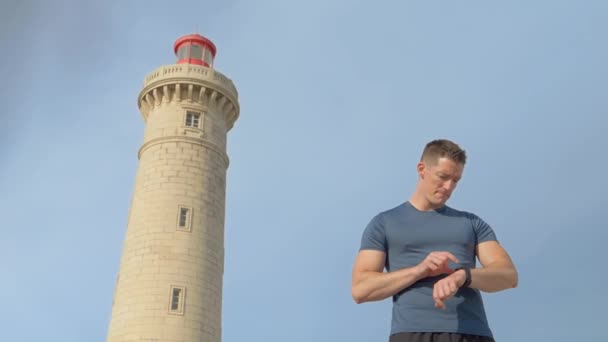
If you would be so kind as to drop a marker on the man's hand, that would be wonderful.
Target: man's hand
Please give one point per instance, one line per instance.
(447, 287)
(437, 263)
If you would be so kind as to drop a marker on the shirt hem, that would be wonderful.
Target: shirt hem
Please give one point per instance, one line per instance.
(456, 331)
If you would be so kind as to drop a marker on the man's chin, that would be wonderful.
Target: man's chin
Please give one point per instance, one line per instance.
(441, 201)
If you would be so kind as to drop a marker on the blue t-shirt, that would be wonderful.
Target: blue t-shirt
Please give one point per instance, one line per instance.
(407, 235)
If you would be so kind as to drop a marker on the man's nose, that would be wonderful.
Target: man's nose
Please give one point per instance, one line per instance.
(449, 185)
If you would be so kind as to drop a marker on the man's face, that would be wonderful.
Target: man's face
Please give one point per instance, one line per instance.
(439, 180)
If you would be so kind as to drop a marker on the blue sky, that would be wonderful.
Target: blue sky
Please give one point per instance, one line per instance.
(337, 100)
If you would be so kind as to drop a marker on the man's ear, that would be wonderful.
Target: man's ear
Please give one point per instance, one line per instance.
(420, 169)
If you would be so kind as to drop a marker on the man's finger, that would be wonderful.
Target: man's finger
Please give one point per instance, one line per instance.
(439, 291)
(444, 255)
(452, 257)
(446, 292)
(435, 260)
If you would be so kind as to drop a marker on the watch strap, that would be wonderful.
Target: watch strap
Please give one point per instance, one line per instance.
(467, 272)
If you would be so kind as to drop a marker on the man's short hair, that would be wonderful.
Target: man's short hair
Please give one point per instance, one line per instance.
(441, 148)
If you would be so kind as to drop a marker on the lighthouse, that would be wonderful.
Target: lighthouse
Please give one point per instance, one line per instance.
(169, 285)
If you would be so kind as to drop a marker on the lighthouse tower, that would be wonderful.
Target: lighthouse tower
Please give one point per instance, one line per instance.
(169, 287)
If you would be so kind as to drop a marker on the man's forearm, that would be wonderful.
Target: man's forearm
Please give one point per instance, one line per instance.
(494, 277)
(373, 286)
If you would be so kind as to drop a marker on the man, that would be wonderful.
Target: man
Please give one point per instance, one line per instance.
(429, 251)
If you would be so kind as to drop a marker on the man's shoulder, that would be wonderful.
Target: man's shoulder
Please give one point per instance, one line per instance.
(478, 224)
(396, 210)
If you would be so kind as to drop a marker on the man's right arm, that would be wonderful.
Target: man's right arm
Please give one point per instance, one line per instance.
(370, 283)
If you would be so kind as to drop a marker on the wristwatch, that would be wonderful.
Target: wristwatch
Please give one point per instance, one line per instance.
(467, 271)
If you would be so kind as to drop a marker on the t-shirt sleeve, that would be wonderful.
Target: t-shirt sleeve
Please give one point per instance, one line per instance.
(374, 236)
(483, 231)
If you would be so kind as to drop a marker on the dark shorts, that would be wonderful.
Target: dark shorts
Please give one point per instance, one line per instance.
(437, 337)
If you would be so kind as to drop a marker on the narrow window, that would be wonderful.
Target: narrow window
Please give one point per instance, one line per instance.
(192, 119)
(175, 299)
(184, 218)
(176, 303)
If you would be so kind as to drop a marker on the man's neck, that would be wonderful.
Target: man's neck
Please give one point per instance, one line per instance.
(420, 203)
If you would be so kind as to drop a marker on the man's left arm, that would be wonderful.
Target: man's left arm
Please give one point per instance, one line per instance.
(496, 274)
